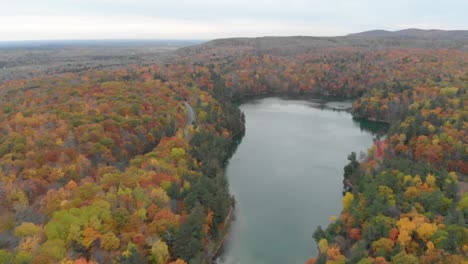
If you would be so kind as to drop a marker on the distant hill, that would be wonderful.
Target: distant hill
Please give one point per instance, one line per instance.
(415, 33)
(375, 39)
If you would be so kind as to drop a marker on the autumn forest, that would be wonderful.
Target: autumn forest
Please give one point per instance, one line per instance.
(105, 165)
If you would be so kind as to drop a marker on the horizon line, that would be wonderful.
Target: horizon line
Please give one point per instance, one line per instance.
(11, 41)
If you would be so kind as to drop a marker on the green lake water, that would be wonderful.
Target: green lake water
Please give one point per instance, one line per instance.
(286, 176)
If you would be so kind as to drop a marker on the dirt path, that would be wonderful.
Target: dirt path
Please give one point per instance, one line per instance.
(190, 116)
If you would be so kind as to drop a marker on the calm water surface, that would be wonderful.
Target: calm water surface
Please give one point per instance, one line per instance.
(286, 176)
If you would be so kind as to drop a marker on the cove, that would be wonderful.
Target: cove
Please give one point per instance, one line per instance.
(286, 177)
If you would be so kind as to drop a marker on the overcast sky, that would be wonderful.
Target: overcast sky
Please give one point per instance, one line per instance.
(209, 19)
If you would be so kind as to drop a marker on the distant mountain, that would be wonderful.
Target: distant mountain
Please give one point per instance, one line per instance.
(415, 33)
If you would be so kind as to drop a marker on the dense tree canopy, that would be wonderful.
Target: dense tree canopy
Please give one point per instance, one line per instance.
(100, 166)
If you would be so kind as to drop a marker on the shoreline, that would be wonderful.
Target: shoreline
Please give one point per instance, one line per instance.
(215, 253)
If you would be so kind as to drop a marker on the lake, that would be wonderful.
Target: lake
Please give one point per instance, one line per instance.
(286, 176)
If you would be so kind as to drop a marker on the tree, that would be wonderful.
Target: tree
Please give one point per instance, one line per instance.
(109, 242)
(334, 254)
(6, 257)
(403, 258)
(358, 252)
(318, 234)
(352, 166)
(348, 199)
(27, 229)
(378, 227)
(188, 241)
(160, 252)
(404, 237)
(54, 248)
(383, 247)
(132, 256)
(431, 180)
(426, 230)
(323, 246)
(463, 204)
(23, 257)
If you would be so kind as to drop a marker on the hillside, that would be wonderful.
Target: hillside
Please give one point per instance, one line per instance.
(33, 59)
(370, 40)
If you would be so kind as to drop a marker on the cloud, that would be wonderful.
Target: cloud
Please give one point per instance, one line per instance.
(140, 27)
(208, 19)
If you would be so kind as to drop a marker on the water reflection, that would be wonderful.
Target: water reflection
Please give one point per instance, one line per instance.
(286, 176)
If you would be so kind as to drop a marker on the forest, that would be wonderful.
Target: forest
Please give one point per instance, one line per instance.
(101, 166)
